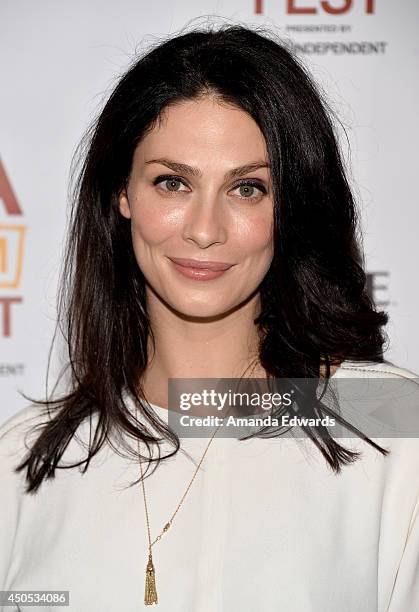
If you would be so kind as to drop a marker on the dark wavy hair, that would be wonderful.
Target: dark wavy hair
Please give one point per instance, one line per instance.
(315, 310)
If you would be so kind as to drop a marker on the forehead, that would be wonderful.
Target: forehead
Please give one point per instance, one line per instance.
(204, 129)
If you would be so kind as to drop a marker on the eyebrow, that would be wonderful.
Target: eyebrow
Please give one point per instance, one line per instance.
(192, 171)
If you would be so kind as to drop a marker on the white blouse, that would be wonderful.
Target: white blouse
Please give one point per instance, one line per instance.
(266, 526)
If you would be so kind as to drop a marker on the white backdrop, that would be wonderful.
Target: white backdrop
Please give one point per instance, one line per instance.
(59, 61)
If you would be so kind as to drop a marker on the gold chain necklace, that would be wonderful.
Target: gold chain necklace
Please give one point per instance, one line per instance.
(150, 593)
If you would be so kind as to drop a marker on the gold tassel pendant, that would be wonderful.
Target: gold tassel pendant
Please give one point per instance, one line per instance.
(150, 595)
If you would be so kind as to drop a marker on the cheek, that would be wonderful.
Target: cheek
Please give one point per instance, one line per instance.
(152, 225)
(256, 236)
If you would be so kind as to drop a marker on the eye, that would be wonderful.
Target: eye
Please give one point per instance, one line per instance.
(247, 189)
(171, 181)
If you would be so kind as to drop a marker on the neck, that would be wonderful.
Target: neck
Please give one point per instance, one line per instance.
(192, 347)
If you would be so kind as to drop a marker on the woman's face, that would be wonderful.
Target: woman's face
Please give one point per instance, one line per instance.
(190, 196)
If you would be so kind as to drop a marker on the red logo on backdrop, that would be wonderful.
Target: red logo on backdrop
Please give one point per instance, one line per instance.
(12, 236)
(313, 7)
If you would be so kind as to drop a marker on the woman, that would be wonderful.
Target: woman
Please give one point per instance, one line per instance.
(214, 236)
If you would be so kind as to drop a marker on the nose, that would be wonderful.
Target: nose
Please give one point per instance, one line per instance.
(205, 222)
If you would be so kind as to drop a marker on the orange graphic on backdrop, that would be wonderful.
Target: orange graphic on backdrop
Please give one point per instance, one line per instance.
(11, 259)
(11, 237)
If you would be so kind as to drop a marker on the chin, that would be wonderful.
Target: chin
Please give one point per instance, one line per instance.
(201, 311)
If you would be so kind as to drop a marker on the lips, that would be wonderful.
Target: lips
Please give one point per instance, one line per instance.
(215, 266)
